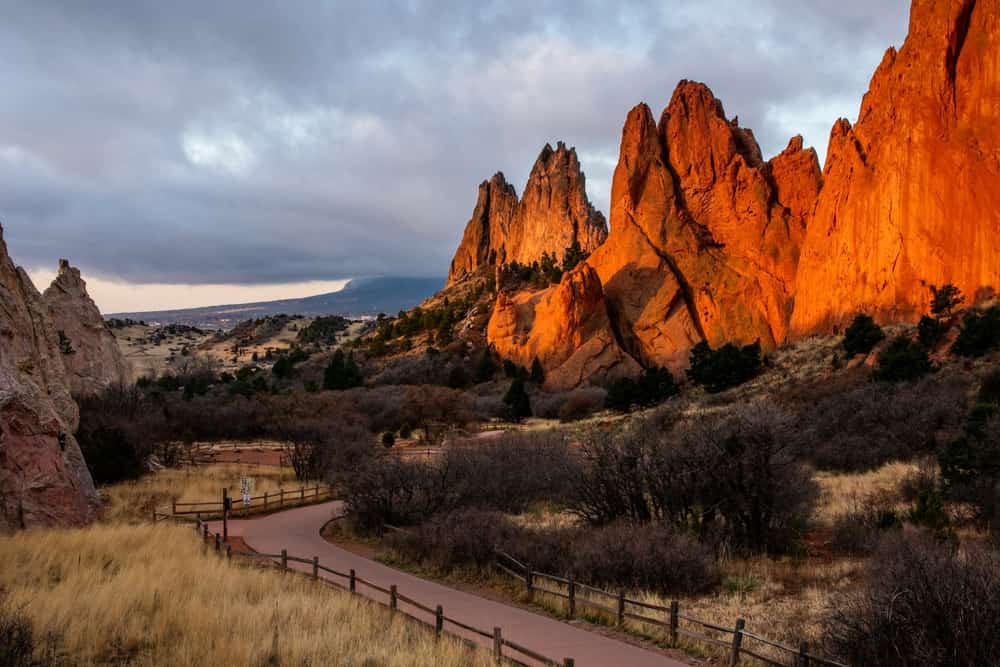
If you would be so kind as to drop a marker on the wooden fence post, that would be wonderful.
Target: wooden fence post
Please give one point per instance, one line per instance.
(317, 492)
(497, 645)
(229, 552)
(225, 513)
(284, 560)
(674, 621)
(438, 621)
(392, 597)
(204, 531)
(302, 493)
(529, 583)
(572, 598)
(315, 568)
(621, 607)
(282, 502)
(265, 500)
(568, 662)
(197, 524)
(803, 655)
(734, 655)
(353, 582)
(217, 542)
(173, 507)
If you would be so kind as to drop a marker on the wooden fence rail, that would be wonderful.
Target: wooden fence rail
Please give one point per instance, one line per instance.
(499, 642)
(269, 500)
(670, 618)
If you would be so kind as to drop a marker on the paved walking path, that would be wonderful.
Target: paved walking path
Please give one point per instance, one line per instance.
(297, 530)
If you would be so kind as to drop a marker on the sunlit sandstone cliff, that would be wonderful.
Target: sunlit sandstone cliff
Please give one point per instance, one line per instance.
(710, 242)
(552, 213)
(911, 194)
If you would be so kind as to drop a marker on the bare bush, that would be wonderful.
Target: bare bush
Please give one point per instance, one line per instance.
(921, 604)
(17, 642)
(866, 426)
(733, 477)
(506, 474)
(652, 557)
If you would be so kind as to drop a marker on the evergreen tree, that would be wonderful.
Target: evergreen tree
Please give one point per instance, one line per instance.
(537, 372)
(517, 401)
(946, 299)
(862, 335)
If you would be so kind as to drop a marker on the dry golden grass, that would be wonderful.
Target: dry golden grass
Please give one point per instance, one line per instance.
(135, 500)
(842, 492)
(148, 595)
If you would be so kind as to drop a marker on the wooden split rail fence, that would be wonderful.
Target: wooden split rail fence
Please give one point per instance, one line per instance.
(352, 582)
(267, 501)
(668, 618)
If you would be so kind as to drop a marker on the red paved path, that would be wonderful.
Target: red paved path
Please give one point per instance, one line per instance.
(297, 530)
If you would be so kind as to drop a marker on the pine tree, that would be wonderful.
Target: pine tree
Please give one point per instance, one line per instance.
(517, 401)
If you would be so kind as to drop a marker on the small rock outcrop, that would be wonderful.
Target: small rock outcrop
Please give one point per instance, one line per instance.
(44, 480)
(911, 193)
(552, 214)
(566, 327)
(91, 354)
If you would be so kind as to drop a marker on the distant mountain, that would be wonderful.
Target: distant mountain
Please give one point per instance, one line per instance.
(363, 296)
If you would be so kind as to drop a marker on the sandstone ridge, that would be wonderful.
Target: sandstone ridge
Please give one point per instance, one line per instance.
(551, 215)
(93, 358)
(43, 478)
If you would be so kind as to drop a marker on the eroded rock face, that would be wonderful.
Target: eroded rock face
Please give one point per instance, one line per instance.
(566, 326)
(705, 235)
(43, 478)
(91, 354)
(911, 194)
(553, 213)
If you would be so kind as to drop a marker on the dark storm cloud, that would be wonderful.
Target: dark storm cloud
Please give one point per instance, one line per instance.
(276, 142)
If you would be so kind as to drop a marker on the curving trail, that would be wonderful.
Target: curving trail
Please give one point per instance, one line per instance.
(297, 530)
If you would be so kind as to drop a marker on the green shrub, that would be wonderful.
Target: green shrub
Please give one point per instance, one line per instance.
(862, 335)
(902, 359)
(930, 331)
(946, 299)
(342, 372)
(729, 366)
(979, 334)
(517, 401)
(654, 385)
(388, 439)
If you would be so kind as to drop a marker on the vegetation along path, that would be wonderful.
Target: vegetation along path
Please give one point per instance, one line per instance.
(298, 531)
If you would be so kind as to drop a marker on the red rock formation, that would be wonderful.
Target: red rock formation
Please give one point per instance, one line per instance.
(43, 478)
(92, 357)
(704, 234)
(911, 194)
(553, 213)
(566, 327)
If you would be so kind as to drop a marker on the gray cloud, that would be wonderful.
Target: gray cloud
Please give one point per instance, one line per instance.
(272, 142)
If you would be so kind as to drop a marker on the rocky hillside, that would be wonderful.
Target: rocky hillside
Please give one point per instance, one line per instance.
(43, 477)
(552, 215)
(711, 242)
(91, 354)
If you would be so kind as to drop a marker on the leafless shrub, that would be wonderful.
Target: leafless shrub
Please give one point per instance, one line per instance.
(734, 477)
(866, 426)
(921, 604)
(17, 642)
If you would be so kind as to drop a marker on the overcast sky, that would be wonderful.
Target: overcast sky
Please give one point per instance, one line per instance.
(273, 143)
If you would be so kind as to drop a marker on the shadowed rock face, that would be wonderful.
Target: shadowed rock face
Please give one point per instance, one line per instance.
(911, 194)
(705, 235)
(96, 361)
(553, 213)
(43, 478)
